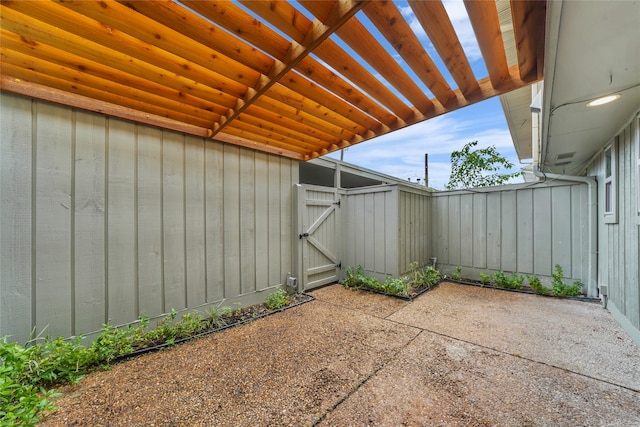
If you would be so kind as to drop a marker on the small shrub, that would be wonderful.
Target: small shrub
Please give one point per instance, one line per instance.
(458, 273)
(500, 279)
(484, 278)
(395, 286)
(416, 279)
(512, 282)
(515, 281)
(537, 286)
(277, 300)
(559, 288)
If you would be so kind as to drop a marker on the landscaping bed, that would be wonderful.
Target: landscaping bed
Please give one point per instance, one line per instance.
(28, 373)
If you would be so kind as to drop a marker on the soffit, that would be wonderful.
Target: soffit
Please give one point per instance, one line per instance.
(277, 76)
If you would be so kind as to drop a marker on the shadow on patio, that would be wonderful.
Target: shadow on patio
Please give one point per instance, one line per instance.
(458, 355)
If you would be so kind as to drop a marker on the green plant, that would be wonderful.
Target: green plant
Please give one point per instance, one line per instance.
(458, 273)
(469, 168)
(537, 286)
(484, 278)
(394, 286)
(216, 316)
(559, 288)
(514, 281)
(500, 279)
(277, 300)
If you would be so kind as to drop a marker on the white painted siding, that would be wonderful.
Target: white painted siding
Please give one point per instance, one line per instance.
(619, 241)
(104, 220)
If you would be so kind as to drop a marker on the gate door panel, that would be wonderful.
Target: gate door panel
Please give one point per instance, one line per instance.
(319, 235)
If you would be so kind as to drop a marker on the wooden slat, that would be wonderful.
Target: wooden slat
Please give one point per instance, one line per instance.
(485, 90)
(313, 108)
(302, 117)
(312, 69)
(121, 18)
(298, 83)
(307, 66)
(175, 16)
(364, 44)
(269, 116)
(128, 95)
(11, 84)
(36, 32)
(436, 23)
(484, 20)
(390, 22)
(283, 141)
(42, 75)
(70, 61)
(334, 56)
(107, 38)
(281, 130)
(295, 53)
(528, 17)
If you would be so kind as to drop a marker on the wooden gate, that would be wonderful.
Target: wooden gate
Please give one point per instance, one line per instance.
(318, 235)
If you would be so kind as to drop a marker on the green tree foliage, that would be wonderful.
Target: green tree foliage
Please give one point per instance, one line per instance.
(469, 169)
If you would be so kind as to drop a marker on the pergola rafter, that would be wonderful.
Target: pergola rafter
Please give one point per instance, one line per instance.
(262, 74)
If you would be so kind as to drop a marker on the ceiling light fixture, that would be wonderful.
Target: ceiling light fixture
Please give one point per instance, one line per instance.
(603, 100)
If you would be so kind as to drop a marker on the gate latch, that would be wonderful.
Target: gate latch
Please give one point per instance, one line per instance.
(303, 235)
(337, 203)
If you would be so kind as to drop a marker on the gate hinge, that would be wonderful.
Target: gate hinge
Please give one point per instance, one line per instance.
(303, 235)
(337, 203)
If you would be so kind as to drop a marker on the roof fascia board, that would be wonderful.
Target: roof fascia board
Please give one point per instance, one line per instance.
(553, 19)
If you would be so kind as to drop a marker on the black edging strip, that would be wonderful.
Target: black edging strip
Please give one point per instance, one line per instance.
(522, 291)
(158, 347)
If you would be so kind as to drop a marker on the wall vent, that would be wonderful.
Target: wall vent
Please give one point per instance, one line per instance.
(565, 156)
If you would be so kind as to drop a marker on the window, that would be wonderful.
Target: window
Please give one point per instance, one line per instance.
(610, 200)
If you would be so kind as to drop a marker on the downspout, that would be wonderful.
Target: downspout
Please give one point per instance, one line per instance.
(592, 201)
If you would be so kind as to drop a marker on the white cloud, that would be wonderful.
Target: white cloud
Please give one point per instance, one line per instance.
(401, 153)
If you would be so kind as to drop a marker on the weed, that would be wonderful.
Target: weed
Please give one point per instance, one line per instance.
(484, 278)
(277, 300)
(458, 273)
(537, 286)
(559, 288)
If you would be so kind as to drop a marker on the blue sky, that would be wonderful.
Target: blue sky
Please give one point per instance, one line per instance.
(401, 153)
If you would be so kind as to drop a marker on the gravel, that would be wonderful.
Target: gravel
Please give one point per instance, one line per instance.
(454, 356)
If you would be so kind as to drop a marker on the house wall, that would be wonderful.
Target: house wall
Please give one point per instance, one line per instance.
(386, 228)
(522, 228)
(619, 238)
(104, 220)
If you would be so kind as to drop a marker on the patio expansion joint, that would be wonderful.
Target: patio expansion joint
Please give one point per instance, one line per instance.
(355, 388)
(516, 355)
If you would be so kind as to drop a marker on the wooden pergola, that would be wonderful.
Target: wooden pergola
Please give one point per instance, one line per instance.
(262, 74)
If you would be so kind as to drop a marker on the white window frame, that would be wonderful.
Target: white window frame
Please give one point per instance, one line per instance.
(610, 190)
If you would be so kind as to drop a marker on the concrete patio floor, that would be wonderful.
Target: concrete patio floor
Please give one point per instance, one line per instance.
(458, 355)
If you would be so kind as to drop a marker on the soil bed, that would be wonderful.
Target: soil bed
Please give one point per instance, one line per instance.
(233, 318)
